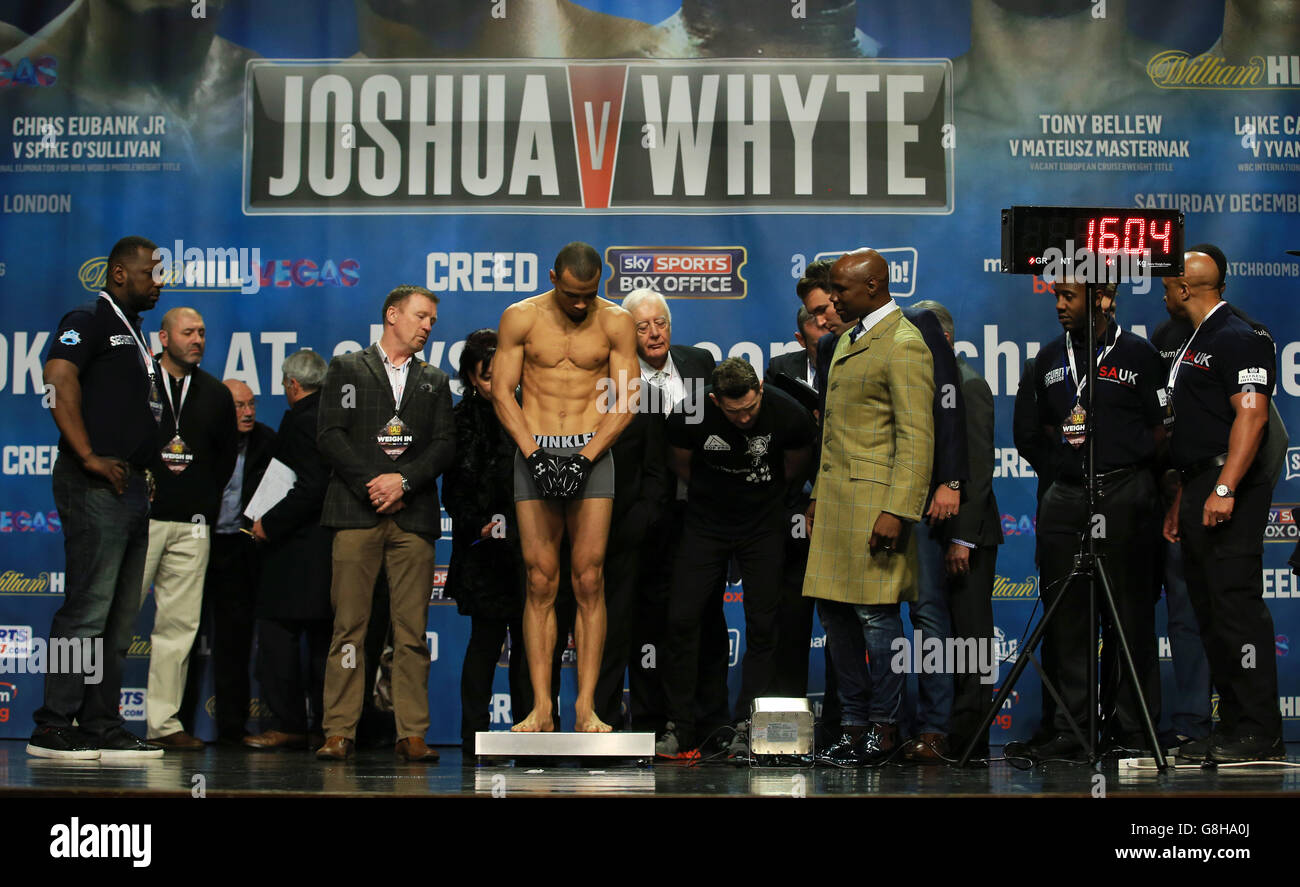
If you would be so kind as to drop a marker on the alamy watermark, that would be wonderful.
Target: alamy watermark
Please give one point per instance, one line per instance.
(83, 656)
(647, 397)
(215, 266)
(933, 655)
(1083, 265)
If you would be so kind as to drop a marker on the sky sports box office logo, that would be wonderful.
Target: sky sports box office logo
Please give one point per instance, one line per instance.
(707, 272)
(707, 136)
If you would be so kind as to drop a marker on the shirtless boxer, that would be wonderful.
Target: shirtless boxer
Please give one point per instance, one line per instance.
(563, 345)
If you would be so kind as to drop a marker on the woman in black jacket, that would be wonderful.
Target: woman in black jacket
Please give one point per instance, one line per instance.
(486, 572)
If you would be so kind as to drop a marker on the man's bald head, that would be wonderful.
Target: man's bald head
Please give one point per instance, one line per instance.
(859, 284)
(866, 262)
(183, 338)
(175, 316)
(1197, 291)
(1200, 270)
(245, 405)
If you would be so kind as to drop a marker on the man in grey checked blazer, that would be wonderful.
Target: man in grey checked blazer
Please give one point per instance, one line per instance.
(386, 430)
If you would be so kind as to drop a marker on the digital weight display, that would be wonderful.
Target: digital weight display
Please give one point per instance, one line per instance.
(1134, 241)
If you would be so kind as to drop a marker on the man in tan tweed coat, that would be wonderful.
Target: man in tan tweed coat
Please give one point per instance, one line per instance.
(877, 449)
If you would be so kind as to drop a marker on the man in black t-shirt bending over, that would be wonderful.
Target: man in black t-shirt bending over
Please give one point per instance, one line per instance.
(751, 447)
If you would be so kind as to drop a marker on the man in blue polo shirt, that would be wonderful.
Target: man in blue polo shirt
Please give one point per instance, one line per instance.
(1220, 384)
(107, 406)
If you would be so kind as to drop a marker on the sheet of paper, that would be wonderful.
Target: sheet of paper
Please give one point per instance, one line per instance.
(276, 484)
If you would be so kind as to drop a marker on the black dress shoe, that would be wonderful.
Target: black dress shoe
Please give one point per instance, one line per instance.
(846, 752)
(1193, 751)
(880, 744)
(1024, 748)
(1061, 747)
(1250, 747)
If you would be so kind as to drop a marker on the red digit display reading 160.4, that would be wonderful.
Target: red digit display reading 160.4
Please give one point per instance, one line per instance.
(1112, 234)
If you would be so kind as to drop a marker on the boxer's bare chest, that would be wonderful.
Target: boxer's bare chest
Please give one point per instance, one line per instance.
(554, 345)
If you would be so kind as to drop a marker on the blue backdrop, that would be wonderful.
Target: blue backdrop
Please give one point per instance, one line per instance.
(403, 158)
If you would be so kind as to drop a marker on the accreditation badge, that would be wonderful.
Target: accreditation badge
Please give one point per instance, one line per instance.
(395, 437)
(155, 402)
(177, 455)
(1075, 427)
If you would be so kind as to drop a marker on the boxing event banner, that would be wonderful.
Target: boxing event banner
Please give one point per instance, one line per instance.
(297, 160)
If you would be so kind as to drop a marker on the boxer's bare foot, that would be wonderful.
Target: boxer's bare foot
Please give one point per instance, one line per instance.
(589, 723)
(538, 721)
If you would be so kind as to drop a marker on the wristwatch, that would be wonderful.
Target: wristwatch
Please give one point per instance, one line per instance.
(406, 484)
(1223, 492)
(953, 485)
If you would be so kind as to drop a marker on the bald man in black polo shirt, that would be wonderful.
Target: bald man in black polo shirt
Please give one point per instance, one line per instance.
(1129, 409)
(1220, 385)
(104, 384)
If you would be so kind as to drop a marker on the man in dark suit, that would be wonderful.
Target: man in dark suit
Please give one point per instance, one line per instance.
(641, 492)
(969, 540)
(796, 614)
(801, 364)
(672, 378)
(293, 600)
(230, 586)
(386, 430)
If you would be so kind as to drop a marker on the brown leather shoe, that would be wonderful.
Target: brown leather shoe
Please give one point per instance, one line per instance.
(928, 748)
(413, 749)
(178, 741)
(275, 739)
(336, 748)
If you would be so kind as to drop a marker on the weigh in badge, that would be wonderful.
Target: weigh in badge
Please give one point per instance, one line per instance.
(1075, 428)
(177, 455)
(394, 438)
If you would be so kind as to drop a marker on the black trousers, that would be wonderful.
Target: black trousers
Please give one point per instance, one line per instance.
(293, 685)
(229, 592)
(1223, 567)
(646, 660)
(479, 668)
(622, 563)
(795, 617)
(1131, 551)
(970, 604)
(699, 571)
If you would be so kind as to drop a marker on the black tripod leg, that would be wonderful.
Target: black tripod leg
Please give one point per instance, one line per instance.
(1017, 670)
(1109, 597)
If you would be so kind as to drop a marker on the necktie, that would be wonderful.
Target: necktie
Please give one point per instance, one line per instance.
(659, 379)
(857, 331)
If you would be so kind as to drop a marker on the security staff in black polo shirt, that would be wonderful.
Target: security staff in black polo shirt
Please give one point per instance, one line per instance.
(754, 442)
(1128, 411)
(102, 382)
(1220, 385)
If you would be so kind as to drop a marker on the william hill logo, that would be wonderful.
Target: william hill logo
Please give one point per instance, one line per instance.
(140, 647)
(1006, 588)
(1175, 69)
(13, 582)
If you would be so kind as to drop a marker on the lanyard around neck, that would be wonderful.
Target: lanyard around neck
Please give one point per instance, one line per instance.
(144, 350)
(1173, 369)
(1082, 381)
(185, 389)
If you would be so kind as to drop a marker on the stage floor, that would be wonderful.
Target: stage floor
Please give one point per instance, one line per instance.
(233, 772)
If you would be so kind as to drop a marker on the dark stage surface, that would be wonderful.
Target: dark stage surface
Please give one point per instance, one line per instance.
(232, 772)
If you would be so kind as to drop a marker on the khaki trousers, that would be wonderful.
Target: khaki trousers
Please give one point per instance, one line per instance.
(175, 567)
(408, 560)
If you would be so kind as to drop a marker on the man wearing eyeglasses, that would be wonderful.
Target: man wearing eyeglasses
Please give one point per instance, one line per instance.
(1220, 387)
(672, 379)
